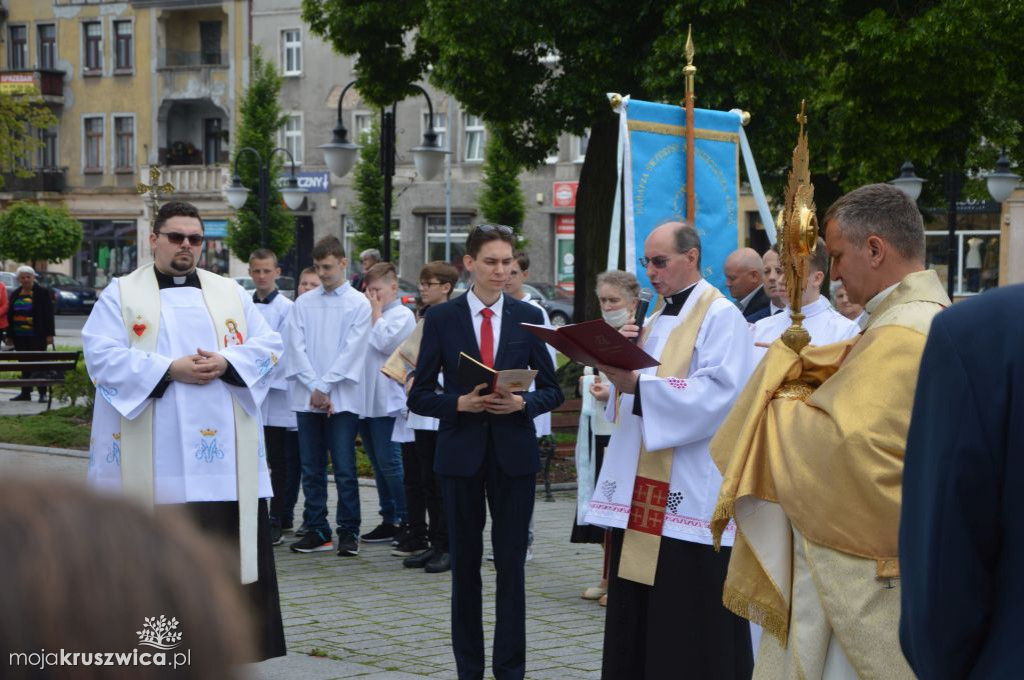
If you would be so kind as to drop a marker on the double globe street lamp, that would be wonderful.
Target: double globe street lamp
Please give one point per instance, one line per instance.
(340, 155)
(237, 194)
(1000, 183)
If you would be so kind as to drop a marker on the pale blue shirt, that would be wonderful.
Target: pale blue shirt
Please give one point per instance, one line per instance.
(327, 339)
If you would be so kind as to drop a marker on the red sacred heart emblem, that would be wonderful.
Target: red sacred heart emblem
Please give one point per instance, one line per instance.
(139, 329)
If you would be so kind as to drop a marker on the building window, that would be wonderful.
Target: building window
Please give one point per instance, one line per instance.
(291, 52)
(436, 235)
(48, 152)
(361, 123)
(47, 46)
(440, 127)
(474, 129)
(209, 41)
(581, 146)
(977, 257)
(19, 47)
(123, 45)
(93, 144)
(293, 136)
(124, 138)
(93, 32)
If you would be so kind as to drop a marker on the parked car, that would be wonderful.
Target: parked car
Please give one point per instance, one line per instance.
(558, 304)
(246, 282)
(9, 279)
(286, 285)
(69, 296)
(407, 293)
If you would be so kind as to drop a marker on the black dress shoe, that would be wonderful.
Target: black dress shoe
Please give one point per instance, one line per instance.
(419, 560)
(439, 563)
(22, 397)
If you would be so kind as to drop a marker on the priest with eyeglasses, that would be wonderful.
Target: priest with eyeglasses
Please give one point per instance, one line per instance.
(180, 358)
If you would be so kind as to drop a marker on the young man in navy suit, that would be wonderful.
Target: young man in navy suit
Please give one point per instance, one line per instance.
(486, 446)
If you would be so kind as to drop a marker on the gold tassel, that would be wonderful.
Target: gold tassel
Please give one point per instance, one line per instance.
(742, 606)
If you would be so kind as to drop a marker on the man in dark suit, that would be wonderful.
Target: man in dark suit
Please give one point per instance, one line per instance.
(486, 446)
(744, 277)
(961, 536)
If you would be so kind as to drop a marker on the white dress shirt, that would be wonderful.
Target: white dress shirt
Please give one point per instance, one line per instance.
(871, 305)
(382, 396)
(475, 306)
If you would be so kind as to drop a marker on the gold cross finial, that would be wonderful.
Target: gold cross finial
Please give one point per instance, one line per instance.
(154, 188)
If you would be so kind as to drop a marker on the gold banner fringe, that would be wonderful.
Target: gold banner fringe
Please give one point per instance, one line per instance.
(742, 606)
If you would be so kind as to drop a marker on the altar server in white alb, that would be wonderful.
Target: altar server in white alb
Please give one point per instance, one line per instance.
(822, 321)
(177, 418)
(279, 428)
(658, 485)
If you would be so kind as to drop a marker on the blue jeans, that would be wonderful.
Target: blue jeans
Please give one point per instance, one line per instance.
(386, 458)
(319, 432)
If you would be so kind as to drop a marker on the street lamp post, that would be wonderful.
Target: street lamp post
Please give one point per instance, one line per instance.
(340, 155)
(1000, 183)
(238, 194)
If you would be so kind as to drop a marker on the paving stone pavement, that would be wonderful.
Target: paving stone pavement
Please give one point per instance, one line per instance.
(367, 616)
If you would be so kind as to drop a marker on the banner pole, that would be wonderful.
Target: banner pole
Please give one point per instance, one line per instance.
(689, 71)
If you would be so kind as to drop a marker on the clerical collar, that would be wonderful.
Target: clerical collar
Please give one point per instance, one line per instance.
(874, 303)
(170, 281)
(674, 302)
(265, 301)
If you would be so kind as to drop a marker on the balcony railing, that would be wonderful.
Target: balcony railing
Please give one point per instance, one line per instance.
(42, 179)
(194, 179)
(169, 57)
(32, 81)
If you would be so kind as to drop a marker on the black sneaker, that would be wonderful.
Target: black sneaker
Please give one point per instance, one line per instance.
(301, 531)
(402, 534)
(348, 545)
(382, 534)
(22, 397)
(419, 560)
(439, 563)
(276, 535)
(409, 546)
(312, 542)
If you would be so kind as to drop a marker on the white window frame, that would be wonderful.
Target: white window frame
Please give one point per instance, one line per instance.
(961, 254)
(26, 55)
(114, 45)
(294, 46)
(101, 166)
(55, 132)
(114, 142)
(298, 152)
(358, 116)
(473, 125)
(56, 44)
(102, 47)
(579, 147)
(440, 126)
(437, 235)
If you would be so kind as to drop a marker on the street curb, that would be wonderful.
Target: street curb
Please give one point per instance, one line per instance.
(75, 453)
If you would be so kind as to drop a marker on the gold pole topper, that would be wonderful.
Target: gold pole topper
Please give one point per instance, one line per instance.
(798, 236)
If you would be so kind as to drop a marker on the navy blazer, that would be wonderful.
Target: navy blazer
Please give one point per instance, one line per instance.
(758, 307)
(462, 438)
(962, 522)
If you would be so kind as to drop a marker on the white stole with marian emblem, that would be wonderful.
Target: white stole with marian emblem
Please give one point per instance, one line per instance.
(140, 310)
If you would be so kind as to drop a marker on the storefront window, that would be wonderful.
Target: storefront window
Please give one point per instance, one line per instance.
(109, 249)
(435, 234)
(215, 255)
(976, 261)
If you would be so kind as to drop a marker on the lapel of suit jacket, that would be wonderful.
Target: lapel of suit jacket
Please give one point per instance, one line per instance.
(507, 313)
(466, 320)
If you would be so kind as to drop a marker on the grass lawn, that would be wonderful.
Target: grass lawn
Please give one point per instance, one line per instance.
(66, 428)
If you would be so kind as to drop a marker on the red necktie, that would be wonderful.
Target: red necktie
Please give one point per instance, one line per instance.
(487, 337)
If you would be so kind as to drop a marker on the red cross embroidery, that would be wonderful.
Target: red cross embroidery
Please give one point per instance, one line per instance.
(647, 511)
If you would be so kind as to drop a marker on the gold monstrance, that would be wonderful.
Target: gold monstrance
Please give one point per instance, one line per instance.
(798, 232)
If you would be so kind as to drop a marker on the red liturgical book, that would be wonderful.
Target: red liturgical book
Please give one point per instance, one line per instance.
(594, 342)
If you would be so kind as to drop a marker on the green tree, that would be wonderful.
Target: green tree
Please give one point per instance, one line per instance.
(261, 118)
(501, 198)
(21, 115)
(931, 80)
(35, 233)
(368, 183)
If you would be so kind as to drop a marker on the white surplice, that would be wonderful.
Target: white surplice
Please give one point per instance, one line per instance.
(193, 425)
(680, 414)
(824, 323)
(277, 410)
(383, 396)
(542, 423)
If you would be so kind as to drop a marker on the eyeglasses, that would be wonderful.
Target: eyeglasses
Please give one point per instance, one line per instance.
(177, 238)
(500, 228)
(659, 261)
(428, 284)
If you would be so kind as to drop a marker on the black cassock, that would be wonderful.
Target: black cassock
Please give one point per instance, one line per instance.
(962, 524)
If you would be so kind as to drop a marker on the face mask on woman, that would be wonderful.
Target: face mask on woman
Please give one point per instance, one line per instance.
(617, 318)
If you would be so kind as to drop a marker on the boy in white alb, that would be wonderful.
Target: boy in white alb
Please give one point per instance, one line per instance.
(279, 429)
(391, 323)
(327, 336)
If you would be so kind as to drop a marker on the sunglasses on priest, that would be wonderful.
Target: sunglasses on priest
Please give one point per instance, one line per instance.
(177, 238)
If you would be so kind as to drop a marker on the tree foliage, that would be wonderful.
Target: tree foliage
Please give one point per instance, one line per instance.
(261, 118)
(368, 183)
(501, 196)
(33, 233)
(21, 115)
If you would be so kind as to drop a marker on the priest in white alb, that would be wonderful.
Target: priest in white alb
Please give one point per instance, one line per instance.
(658, 483)
(177, 414)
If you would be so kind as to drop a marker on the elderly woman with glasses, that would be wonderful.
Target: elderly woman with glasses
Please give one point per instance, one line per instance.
(30, 322)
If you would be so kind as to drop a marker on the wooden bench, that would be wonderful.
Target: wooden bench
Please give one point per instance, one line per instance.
(53, 364)
(566, 420)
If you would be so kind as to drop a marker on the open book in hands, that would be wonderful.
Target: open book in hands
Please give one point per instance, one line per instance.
(592, 343)
(473, 373)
